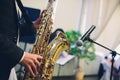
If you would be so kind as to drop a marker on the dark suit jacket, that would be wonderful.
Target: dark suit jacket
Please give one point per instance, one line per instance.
(10, 54)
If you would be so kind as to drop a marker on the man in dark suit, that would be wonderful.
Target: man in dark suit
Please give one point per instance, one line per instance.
(10, 54)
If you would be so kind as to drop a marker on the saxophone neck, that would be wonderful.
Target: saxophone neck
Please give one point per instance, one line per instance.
(50, 4)
(51, 7)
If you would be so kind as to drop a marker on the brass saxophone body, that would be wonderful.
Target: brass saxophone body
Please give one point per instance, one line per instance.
(54, 49)
(49, 51)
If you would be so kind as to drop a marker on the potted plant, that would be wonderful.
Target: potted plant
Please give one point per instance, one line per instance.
(87, 50)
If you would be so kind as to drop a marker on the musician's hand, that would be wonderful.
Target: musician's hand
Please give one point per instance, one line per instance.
(38, 21)
(31, 62)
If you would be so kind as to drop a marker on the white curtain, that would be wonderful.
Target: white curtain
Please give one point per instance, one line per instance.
(104, 14)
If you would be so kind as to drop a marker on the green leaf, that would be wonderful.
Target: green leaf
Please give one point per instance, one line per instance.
(86, 51)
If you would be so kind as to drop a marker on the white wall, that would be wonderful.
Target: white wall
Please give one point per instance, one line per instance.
(67, 12)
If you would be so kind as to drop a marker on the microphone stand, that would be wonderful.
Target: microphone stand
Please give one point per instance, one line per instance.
(112, 52)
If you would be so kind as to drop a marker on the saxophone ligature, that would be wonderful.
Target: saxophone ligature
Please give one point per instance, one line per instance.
(50, 51)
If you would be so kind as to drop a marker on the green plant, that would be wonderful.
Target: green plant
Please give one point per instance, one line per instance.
(87, 50)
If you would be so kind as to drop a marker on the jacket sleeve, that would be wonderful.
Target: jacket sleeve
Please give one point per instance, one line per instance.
(10, 53)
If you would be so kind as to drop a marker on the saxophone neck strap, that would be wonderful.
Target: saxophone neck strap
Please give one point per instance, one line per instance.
(20, 5)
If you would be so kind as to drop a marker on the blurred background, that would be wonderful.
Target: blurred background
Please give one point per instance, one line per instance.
(79, 16)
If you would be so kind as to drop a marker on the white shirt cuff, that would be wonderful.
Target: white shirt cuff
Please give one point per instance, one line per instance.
(22, 57)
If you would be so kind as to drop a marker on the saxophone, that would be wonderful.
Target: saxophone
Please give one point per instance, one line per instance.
(50, 51)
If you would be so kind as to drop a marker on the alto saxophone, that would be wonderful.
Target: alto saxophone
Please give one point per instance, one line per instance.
(50, 51)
